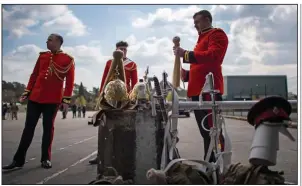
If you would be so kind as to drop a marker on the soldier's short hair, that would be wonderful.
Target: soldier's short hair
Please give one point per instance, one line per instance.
(204, 13)
(59, 37)
(121, 44)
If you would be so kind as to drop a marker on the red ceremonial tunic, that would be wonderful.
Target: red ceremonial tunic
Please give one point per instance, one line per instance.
(130, 73)
(46, 81)
(207, 57)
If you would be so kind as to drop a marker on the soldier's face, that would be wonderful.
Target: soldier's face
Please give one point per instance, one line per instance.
(52, 42)
(200, 23)
(124, 49)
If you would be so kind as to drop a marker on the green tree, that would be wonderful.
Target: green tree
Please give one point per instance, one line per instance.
(81, 100)
(81, 90)
(11, 91)
(95, 91)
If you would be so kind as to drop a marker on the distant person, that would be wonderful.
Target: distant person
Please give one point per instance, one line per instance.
(8, 112)
(14, 110)
(84, 111)
(64, 112)
(4, 110)
(53, 70)
(61, 109)
(79, 111)
(74, 111)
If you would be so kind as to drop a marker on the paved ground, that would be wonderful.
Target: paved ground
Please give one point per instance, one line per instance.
(75, 143)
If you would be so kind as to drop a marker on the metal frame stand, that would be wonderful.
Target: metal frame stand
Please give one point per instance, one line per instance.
(169, 120)
(169, 157)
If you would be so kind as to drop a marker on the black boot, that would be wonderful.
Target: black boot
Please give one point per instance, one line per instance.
(46, 164)
(94, 161)
(13, 165)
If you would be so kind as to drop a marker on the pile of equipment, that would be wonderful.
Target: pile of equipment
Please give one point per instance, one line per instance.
(138, 135)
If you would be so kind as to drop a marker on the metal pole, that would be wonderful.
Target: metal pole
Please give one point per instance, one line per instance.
(233, 111)
(214, 110)
(240, 100)
(222, 105)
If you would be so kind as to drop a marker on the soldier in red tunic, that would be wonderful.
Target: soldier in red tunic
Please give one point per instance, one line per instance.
(130, 73)
(44, 93)
(207, 57)
(129, 66)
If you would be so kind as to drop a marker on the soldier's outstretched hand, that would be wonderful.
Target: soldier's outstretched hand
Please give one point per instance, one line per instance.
(21, 99)
(24, 96)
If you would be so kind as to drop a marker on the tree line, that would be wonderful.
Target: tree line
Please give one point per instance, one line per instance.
(11, 92)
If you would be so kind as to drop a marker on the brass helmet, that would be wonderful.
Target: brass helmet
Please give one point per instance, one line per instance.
(116, 90)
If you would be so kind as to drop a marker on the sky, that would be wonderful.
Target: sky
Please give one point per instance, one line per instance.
(262, 38)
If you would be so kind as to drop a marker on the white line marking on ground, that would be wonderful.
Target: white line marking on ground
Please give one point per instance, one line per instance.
(84, 140)
(52, 176)
(289, 183)
(77, 143)
(64, 170)
(62, 148)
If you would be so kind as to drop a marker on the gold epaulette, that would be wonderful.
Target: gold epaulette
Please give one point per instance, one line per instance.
(71, 58)
(68, 56)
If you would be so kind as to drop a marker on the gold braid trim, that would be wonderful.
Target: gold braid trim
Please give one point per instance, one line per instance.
(130, 68)
(66, 100)
(53, 67)
(25, 93)
(187, 55)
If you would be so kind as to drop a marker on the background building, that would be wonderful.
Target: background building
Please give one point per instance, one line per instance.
(254, 87)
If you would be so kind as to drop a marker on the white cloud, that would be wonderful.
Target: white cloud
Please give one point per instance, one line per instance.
(165, 15)
(21, 18)
(262, 38)
(89, 60)
(86, 55)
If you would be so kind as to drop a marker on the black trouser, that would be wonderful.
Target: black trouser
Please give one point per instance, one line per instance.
(64, 113)
(3, 114)
(14, 115)
(199, 115)
(74, 114)
(33, 113)
(84, 114)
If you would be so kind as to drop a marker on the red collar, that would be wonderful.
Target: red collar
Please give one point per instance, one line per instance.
(271, 114)
(205, 30)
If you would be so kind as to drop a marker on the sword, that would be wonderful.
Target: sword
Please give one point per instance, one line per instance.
(146, 74)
